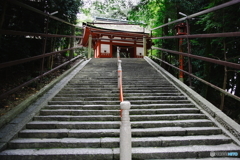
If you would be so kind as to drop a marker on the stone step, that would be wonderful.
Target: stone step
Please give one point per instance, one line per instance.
(59, 154)
(91, 82)
(117, 107)
(116, 125)
(200, 151)
(110, 142)
(117, 118)
(111, 85)
(117, 94)
(116, 98)
(136, 132)
(125, 91)
(116, 112)
(142, 89)
(72, 125)
(78, 118)
(117, 102)
(86, 89)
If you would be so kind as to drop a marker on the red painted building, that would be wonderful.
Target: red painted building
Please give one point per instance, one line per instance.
(105, 42)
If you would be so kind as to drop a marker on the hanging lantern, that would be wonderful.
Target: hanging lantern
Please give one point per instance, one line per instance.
(181, 29)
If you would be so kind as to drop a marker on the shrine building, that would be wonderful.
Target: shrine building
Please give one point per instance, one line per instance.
(105, 35)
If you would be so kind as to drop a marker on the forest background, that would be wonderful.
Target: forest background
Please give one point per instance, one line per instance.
(150, 14)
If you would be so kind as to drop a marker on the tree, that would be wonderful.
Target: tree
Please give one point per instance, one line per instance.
(116, 9)
(157, 12)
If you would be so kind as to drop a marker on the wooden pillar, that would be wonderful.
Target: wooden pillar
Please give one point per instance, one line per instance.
(89, 46)
(144, 46)
(181, 59)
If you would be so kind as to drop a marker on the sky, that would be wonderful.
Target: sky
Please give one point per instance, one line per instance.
(88, 3)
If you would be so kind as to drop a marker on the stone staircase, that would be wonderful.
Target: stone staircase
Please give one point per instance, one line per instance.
(82, 121)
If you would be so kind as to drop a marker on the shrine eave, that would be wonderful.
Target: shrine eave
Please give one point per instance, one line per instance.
(98, 33)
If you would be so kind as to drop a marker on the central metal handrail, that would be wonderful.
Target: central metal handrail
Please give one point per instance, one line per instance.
(125, 128)
(120, 76)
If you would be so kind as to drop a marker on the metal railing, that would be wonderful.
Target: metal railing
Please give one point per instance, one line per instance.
(42, 36)
(189, 55)
(120, 76)
(125, 128)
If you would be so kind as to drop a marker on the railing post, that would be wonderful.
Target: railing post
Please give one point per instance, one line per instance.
(119, 73)
(72, 40)
(89, 46)
(125, 132)
(118, 53)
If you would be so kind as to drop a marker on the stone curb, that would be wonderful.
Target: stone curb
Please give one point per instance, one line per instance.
(226, 122)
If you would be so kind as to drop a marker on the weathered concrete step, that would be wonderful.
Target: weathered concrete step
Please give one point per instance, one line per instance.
(117, 94)
(59, 154)
(98, 133)
(85, 78)
(92, 81)
(111, 72)
(111, 107)
(149, 88)
(156, 98)
(126, 91)
(79, 112)
(180, 141)
(142, 89)
(166, 117)
(145, 80)
(195, 151)
(90, 98)
(117, 102)
(211, 158)
(150, 91)
(90, 86)
(159, 106)
(117, 118)
(97, 75)
(115, 86)
(78, 118)
(105, 79)
(116, 125)
(164, 111)
(109, 142)
(172, 123)
(72, 125)
(116, 98)
(90, 89)
(81, 102)
(96, 84)
(64, 143)
(160, 101)
(116, 112)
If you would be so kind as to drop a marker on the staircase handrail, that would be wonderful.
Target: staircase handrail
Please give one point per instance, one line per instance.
(120, 76)
(125, 128)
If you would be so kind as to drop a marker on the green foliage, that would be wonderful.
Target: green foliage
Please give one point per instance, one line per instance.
(116, 9)
(158, 12)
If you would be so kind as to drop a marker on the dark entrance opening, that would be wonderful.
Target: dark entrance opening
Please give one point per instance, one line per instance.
(125, 51)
